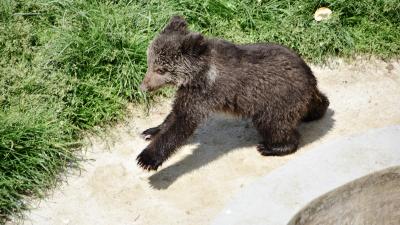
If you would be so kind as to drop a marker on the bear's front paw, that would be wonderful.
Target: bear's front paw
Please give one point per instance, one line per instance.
(149, 133)
(149, 160)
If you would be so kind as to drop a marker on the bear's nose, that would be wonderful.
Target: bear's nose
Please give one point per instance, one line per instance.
(143, 87)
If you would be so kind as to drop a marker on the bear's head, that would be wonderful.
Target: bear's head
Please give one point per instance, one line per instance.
(174, 57)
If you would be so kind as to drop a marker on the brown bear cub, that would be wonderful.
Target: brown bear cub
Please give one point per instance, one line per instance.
(268, 83)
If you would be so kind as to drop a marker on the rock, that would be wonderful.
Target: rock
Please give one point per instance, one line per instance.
(322, 13)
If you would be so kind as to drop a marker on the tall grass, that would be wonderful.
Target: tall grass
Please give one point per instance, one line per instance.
(67, 66)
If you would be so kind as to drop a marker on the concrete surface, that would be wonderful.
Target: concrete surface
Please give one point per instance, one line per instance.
(221, 159)
(277, 197)
(373, 199)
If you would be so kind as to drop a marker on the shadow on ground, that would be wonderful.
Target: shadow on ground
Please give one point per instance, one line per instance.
(219, 136)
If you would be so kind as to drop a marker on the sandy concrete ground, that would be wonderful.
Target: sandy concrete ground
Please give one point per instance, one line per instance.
(220, 159)
(285, 191)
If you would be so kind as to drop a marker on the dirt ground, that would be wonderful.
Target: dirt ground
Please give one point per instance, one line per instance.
(220, 159)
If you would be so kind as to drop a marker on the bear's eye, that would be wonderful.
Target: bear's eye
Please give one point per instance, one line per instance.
(160, 71)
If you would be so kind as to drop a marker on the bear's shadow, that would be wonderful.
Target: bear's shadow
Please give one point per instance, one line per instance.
(220, 135)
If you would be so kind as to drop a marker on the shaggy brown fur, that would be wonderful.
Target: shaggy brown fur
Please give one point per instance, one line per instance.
(268, 83)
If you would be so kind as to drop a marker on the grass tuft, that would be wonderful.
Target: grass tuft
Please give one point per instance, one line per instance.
(67, 66)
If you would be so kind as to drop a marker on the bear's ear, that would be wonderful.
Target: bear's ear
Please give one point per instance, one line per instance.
(176, 24)
(194, 44)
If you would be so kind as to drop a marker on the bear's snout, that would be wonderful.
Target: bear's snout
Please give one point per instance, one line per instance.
(143, 87)
(152, 81)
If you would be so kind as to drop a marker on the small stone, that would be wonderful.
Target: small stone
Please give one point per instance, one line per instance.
(322, 13)
(390, 67)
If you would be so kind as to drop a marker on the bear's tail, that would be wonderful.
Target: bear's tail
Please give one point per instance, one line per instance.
(317, 107)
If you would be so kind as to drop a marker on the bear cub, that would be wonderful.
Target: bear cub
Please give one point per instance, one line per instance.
(268, 83)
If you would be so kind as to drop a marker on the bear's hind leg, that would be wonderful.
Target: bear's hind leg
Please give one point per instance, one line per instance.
(268, 148)
(317, 107)
(278, 140)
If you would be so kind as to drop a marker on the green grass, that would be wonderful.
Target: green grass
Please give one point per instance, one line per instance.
(67, 66)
